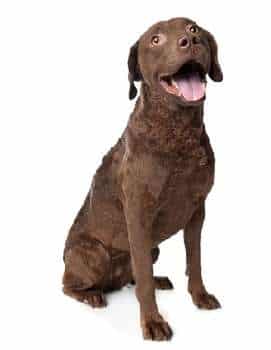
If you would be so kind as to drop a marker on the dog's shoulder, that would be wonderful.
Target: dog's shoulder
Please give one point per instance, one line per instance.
(142, 169)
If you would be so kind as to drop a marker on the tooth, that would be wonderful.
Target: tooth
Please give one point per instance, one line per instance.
(173, 82)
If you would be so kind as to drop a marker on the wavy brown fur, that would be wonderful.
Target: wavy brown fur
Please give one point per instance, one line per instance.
(152, 184)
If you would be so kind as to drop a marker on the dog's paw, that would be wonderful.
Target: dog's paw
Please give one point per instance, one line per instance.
(95, 300)
(156, 330)
(163, 283)
(206, 301)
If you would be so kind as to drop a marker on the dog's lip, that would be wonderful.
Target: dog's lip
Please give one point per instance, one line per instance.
(175, 70)
(187, 82)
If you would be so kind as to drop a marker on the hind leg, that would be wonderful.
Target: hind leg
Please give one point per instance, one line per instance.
(94, 298)
(87, 266)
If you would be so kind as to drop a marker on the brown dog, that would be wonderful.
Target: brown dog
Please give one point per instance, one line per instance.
(154, 181)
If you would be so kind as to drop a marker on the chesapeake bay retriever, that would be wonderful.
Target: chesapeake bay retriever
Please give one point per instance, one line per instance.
(153, 182)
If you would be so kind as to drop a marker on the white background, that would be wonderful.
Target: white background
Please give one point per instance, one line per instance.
(63, 104)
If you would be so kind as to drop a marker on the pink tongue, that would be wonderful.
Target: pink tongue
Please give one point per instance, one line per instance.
(191, 87)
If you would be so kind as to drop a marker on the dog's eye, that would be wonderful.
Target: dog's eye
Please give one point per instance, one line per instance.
(158, 39)
(193, 29)
(155, 40)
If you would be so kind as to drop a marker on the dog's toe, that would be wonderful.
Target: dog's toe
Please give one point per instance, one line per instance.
(205, 301)
(96, 300)
(163, 283)
(157, 330)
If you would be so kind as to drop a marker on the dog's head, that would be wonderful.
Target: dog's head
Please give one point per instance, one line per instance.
(173, 59)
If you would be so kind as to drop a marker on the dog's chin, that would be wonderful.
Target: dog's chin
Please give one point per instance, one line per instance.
(187, 85)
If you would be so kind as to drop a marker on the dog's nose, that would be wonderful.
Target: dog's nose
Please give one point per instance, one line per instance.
(184, 42)
(195, 40)
(187, 41)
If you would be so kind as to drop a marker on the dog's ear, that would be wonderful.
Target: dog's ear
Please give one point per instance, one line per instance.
(215, 72)
(134, 70)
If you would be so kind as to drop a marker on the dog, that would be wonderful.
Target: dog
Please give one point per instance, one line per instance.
(153, 182)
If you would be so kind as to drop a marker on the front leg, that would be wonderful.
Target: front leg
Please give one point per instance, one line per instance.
(140, 208)
(192, 237)
(160, 282)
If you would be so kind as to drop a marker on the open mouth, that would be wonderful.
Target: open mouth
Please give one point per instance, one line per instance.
(188, 82)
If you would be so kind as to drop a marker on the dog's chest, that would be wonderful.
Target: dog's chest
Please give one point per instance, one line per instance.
(187, 185)
(189, 182)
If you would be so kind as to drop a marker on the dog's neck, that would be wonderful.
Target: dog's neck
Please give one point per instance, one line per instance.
(153, 105)
(164, 126)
